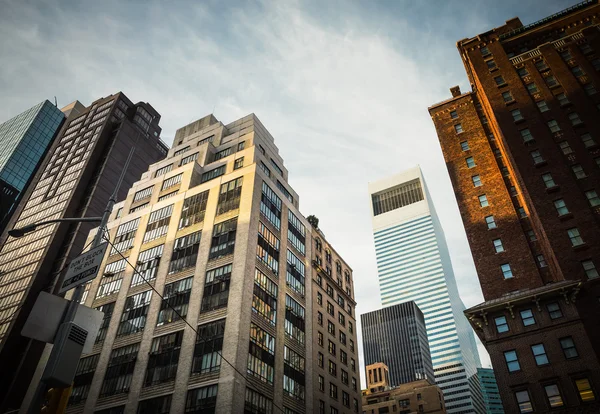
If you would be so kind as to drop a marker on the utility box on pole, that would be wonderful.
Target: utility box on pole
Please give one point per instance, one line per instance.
(60, 370)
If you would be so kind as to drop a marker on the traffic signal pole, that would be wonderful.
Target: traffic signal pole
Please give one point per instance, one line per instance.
(57, 356)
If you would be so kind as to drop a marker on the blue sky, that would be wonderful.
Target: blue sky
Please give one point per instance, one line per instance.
(343, 86)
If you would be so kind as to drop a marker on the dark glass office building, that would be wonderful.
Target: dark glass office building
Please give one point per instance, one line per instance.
(24, 140)
(75, 179)
(396, 336)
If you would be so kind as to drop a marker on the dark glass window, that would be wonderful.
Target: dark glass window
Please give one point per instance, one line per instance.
(216, 288)
(134, 314)
(147, 265)
(223, 239)
(163, 358)
(264, 301)
(119, 373)
(256, 403)
(209, 343)
(261, 354)
(212, 174)
(107, 309)
(296, 233)
(193, 211)
(294, 319)
(185, 252)
(267, 249)
(295, 273)
(83, 378)
(202, 400)
(158, 405)
(293, 373)
(176, 298)
(229, 196)
(158, 223)
(270, 206)
(285, 191)
(125, 236)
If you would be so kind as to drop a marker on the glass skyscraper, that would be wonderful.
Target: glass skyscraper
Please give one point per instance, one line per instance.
(24, 140)
(414, 265)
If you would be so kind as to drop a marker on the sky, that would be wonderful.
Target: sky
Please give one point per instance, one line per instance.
(343, 86)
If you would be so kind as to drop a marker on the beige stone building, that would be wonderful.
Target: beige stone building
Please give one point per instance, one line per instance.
(215, 229)
(411, 397)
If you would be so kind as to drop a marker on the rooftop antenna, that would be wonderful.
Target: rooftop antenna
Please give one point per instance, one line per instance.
(55, 102)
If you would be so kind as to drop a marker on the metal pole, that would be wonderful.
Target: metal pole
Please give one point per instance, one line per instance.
(69, 315)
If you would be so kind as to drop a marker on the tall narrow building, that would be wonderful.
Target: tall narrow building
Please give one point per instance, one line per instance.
(396, 336)
(75, 180)
(24, 141)
(522, 150)
(209, 288)
(491, 400)
(414, 265)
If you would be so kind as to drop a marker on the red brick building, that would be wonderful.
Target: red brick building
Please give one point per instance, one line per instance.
(522, 150)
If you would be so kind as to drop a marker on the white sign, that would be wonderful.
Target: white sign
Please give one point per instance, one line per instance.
(83, 268)
(46, 316)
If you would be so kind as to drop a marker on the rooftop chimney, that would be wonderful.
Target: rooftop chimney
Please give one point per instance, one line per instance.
(455, 91)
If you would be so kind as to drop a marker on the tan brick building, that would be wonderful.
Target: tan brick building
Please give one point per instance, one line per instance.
(412, 397)
(522, 153)
(215, 229)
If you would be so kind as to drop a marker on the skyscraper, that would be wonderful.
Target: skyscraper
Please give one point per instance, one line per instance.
(24, 141)
(221, 308)
(490, 396)
(522, 153)
(396, 336)
(75, 180)
(414, 264)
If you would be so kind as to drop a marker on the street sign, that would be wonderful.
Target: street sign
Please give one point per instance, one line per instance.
(46, 316)
(83, 268)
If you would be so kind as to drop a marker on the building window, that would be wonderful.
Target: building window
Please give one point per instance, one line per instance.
(588, 141)
(212, 174)
(320, 318)
(163, 359)
(163, 170)
(296, 233)
(176, 298)
(516, 114)
(541, 261)
(267, 249)
(216, 288)
(483, 201)
(470, 162)
(491, 64)
(134, 314)
(265, 169)
(209, 343)
(527, 317)
(331, 328)
(506, 271)
(522, 212)
(341, 319)
(590, 269)
(522, 72)
(330, 309)
(532, 88)
(119, 372)
(593, 198)
(270, 206)
(319, 298)
(578, 171)
(565, 147)
(202, 400)
(294, 319)
(539, 353)
(158, 223)
(512, 361)
(293, 374)
(498, 245)
(589, 89)
(229, 196)
(112, 278)
(107, 309)
(264, 301)
(553, 396)
(485, 51)
(491, 223)
(499, 80)
(261, 354)
(566, 55)
(332, 348)
(574, 118)
(562, 99)
(294, 273)
(561, 207)
(554, 310)
(537, 157)
(586, 393)
(575, 237)
(193, 211)
(553, 125)
(458, 128)
(274, 164)
(171, 182)
(551, 81)
(189, 158)
(143, 194)
(257, 403)
(476, 181)
(84, 374)
(531, 235)
(568, 347)
(548, 180)
(577, 71)
(125, 236)
(542, 106)
(524, 401)
(541, 65)
(453, 114)
(585, 48)
(333, 391)
(185, 252)
(321, 384)
(223, 239)
(596, 64)
(464, 146)
(222, 154)
(526, 135)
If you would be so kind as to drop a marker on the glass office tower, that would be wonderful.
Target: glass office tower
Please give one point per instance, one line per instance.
(24, 140)
(414, 265)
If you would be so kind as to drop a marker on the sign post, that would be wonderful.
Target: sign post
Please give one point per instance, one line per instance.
(83, 268)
